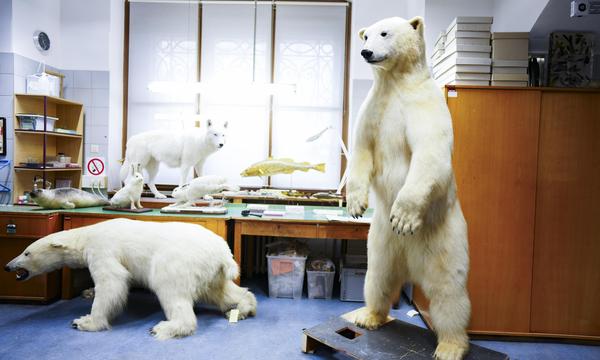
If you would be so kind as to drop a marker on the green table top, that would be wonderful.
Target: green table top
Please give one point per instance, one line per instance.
(234, 211)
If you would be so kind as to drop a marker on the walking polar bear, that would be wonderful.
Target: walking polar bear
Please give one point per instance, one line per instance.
(403, 151)
(181, 263)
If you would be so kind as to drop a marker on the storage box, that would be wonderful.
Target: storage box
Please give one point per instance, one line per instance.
(286, 276)
(35, 122)
(353, 270)
(320, 284)
(43, 84)
(510, 45)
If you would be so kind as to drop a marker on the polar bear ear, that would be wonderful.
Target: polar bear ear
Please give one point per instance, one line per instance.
(58, 245)
(361, 33)
(417, 24)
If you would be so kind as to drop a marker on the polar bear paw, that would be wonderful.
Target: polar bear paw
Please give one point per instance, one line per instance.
(369, 320)
(357, 202)
(450, 351)
(89, 323)
(171, 329)
(406, 217)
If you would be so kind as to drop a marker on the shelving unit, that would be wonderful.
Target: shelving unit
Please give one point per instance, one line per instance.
(43, 145)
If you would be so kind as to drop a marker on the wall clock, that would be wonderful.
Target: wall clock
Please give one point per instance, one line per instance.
(41, 41)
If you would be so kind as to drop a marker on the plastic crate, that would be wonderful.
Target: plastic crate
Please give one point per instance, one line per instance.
(36, 122)
(352, 277)
(320, 284)
(286, 276)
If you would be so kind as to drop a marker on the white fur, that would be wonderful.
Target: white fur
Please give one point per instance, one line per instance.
(130, 195)
(403, 151)
(200, 187)
(182, 263)
(184, 149)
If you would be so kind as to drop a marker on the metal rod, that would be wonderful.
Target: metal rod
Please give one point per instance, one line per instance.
(247, 2)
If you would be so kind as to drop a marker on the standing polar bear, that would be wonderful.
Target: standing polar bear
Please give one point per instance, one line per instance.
(403, 151)
(185, 149)
(181, 263)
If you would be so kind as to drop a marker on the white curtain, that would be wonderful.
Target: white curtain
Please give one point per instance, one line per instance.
(309, 52)
(310, 46)
(227, 56)
(163, 46)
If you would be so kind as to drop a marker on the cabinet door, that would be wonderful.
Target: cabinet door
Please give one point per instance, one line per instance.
(495, 152)
(566, 276)
(16, 233)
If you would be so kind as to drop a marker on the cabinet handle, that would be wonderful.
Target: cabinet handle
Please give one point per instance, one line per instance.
(11, 228)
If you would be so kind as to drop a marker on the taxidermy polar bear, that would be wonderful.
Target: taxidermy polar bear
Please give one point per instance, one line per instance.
(184, 149)
(181, 263)
(403, 151)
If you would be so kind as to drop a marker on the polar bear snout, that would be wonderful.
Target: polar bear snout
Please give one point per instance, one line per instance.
(366, 54)
(21, 273)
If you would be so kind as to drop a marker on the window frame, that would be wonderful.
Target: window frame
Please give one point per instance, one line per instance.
(346, 76)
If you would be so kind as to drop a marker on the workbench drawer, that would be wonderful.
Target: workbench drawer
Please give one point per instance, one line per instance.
(344, 232)
(280, 229)
(27, 226)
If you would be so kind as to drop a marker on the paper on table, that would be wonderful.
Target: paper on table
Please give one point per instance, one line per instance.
(257, 207)
(273, 213)
(348, 219)
(328, 212)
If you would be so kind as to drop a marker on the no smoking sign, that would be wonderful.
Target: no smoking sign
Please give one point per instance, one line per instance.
(95, 166)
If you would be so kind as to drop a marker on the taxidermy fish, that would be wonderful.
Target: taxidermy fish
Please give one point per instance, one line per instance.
(66, 198)
(280, 166)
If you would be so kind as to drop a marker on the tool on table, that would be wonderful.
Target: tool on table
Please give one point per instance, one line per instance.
(257, 213)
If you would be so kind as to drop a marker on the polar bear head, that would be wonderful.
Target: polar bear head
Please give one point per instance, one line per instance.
(44, 255)
(394, 43)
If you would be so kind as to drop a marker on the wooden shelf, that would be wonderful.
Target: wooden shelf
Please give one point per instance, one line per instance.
(50, 133)
(50, 99)
(23, 168)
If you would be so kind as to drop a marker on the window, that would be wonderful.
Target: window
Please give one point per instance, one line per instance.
(307, 50)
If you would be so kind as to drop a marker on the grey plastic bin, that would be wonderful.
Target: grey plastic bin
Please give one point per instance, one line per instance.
(320, 284)
(286, 276)
(353, 270)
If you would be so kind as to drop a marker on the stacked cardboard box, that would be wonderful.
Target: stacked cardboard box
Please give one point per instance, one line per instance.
(510, 51)
(466, 57)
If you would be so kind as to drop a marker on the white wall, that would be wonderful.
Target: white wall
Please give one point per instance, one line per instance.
(84, 34)
(5, 26)
(115, 100)
(29, 16)
(517, 15)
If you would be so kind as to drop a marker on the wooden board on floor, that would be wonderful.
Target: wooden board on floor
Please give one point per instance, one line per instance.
(394, 340)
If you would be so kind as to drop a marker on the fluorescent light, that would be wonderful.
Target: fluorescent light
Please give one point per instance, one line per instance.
(173, 87)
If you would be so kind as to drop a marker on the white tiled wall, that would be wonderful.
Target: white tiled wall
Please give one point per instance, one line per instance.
(87, 87)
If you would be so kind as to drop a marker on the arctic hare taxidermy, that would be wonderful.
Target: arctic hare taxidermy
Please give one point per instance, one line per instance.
(200, 187)
(131, 193)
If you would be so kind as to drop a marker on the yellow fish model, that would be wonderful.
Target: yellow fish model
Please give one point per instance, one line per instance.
(279, 166)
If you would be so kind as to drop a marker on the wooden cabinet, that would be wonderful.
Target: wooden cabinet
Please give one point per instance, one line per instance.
(566, 263)
(17, 231)
(35, 149)
(527, 165)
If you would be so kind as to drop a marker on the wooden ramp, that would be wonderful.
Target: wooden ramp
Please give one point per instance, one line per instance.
(394, 340)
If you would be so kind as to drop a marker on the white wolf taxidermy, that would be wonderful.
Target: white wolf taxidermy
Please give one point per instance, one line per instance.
(185, 149)
(180, 262)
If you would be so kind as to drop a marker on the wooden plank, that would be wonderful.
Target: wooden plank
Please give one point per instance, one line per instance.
(282, 229)
(566, 275)
(344, 232)
(394, 340)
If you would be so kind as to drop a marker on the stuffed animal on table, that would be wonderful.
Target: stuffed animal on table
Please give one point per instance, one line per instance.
(131, 193)
(65, 198)
(199, 188)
